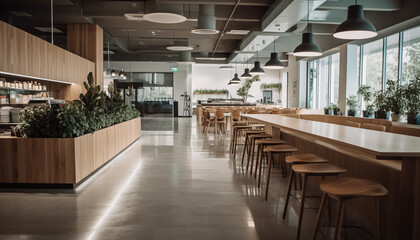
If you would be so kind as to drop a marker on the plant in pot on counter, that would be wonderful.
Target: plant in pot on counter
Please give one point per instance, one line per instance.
(352, 103)
(366, 92)
(412, 99)
(335, 109)
(328, 110)
(395, 98)
(381, 104)
(244, 90)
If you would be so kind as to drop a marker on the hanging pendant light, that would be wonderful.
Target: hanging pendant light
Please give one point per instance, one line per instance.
(236, 78)
(257, 70)
(121, 73)
(356, 26)
(113, 73)
(274, 62)
(246, 74)
(307, 48)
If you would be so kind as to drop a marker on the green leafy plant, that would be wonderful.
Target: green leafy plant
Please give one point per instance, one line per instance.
(211, 91)
(271, 85)
(94, 110)
(366, 92)
(380, 101)
(335, 108)
(244, 90)
(395, 97)
(411, 94)
(352, 103)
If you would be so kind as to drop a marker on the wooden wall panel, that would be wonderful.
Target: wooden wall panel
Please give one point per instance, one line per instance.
(25, 54)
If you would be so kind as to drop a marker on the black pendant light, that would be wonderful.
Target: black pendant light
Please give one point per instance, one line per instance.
(246, 74)
(307, 48)
(236, 78)
(113, 72)
(121, 73)
(356, 26)
(274, 62)
(257, 70)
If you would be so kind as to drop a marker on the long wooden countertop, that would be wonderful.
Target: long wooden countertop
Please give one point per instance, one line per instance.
(379, 144)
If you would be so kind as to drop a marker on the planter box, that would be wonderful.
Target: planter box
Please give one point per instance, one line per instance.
(63, 160)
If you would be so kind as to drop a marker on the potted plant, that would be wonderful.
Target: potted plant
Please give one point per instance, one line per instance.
(381, 104)
(243, 91)
(396, 101)
(327, 110)
(335, 108)
(353, 105)
(411, 95)
(366, 93)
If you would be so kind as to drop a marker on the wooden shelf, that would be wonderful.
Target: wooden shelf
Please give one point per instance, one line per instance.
(21, 90)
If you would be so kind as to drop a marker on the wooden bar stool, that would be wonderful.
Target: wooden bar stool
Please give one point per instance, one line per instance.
(252, 139)
(344, 189)
(237, 133)
(246, 144)
(282, 150)
(261, 145)
(307, 170)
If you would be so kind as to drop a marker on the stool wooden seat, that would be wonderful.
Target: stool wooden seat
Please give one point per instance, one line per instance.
(235, 135)
(344, 189)
(252, 139)
(283, 150)
(304, 158)
(307, 170)
(246, 144)
(261, 144)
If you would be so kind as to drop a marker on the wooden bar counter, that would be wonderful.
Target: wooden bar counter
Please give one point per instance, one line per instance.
(388, 158)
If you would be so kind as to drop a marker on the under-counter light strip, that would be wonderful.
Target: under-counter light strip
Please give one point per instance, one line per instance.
(35, 78)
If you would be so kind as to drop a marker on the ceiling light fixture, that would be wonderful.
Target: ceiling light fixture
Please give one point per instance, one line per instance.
(274, 62)
(356, 26)
(227, 67)
(236, 78)
(246, 74)
(257, 70)
(164, 17)
(206, 20)
(122, 73)
(307, 48)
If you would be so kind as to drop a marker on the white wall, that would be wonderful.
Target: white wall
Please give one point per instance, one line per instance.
(296, 82)
(210, 76)
(182, 79)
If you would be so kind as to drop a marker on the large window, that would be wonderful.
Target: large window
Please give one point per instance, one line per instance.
(323, 78)
(401, 52)
(372, 64)
(411, 54)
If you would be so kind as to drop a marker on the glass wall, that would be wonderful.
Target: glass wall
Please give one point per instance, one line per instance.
(392, 47)
(372, 64)
(323, 80)
(410, 54)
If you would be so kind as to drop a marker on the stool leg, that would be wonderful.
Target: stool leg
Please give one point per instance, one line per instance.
(250, 153)
(245, 149)
(302, 205)
(259, 171)
(259, 156)
(376, 217)
(289, 187)
(339, 219)
(267, 182)
(318, 218)
(237, 136)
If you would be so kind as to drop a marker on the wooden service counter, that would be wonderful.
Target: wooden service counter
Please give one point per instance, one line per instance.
(388, 158)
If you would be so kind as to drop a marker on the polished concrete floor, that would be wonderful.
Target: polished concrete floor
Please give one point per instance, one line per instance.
(172, 184)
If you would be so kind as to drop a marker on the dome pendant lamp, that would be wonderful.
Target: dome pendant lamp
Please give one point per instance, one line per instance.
(246, 74)
(236, 78)
(113, 72)
(307, 48)
(274, 62)
(356, 26)
(257, 70)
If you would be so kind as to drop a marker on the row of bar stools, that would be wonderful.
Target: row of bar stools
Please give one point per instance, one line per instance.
(344, 189)
(236, 133)
(307, 170)
(247, 148)
(261, 145)
(283, 150)
(252, 139)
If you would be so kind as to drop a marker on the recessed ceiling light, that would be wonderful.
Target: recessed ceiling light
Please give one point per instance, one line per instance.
(180, 48)
(48, 29)
(163, 17)
(134, 16)
(211, 59)
(205, 31)
(238, 32)
(128, 30)
(226, 67)
(108, 52)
